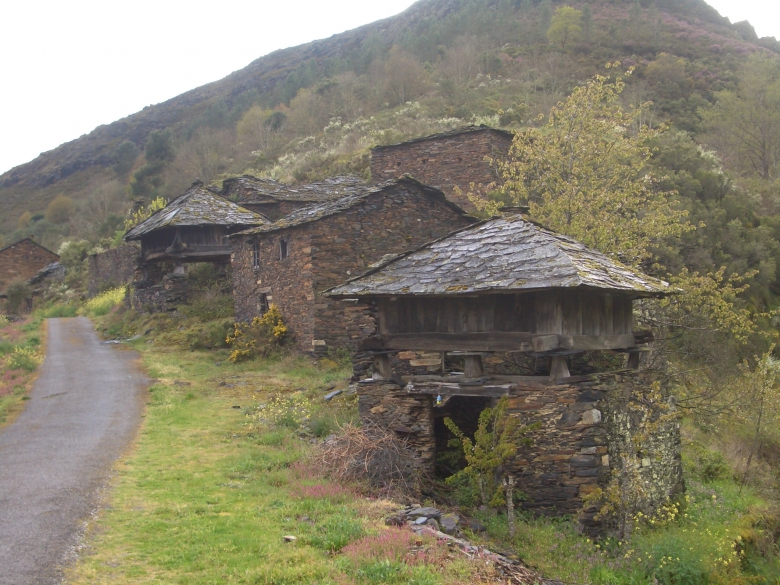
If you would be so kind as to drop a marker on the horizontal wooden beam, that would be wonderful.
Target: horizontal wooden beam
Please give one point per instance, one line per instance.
(496, 341)
(444, 389)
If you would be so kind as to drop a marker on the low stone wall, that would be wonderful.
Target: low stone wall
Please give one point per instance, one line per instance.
(159, 297)
(111, 268)
(586, 428)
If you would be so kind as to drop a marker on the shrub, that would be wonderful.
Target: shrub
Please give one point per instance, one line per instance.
(17, 294)
(60, 209)
(371, 454)
(24, 358)
(104, 302)
(264, 335)
(210, 335)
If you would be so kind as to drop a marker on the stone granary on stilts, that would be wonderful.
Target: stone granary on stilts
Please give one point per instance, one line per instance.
(291, 261)
(194, 227)
(275, 200)
(464, 320)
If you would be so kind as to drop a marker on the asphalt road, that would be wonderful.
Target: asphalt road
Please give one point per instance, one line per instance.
(55, 458)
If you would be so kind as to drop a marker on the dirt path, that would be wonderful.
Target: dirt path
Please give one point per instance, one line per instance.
(83, 411)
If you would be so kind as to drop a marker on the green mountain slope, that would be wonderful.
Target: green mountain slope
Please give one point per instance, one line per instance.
(313, 110)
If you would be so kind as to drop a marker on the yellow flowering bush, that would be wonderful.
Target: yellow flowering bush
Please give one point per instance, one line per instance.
(104, 302)
(258, 338)
(23, 358)
(287, 410)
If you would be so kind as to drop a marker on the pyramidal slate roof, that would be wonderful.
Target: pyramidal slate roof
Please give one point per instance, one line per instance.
(197, 207)
(261, 189)
(355, 196)
(499, 255)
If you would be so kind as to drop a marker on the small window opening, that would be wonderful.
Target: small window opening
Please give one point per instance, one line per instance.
(284, 249)
(256, 256)
(262, 304)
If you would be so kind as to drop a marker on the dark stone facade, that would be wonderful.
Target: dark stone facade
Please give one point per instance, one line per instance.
(112, 268)
(585, 426)
(445, 161)
(22, 260)
(328, 251)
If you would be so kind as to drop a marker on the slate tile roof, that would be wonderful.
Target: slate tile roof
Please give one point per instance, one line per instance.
(197, 207)
(356, 195)
(455, 132)
(500, 254)
(262, 190)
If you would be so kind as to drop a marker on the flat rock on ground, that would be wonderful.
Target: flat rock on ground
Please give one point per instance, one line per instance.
(83, 412)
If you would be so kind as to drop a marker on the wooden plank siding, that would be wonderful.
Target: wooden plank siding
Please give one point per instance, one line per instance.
(573, 312)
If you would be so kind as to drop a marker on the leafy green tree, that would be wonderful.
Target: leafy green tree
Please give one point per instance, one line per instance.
(587, 22)
(60, 209)
(565, 26)
(125, 156)
(744, 124)
(583, 174)
(159, 147)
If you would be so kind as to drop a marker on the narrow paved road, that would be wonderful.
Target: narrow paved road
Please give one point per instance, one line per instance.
(84, 410)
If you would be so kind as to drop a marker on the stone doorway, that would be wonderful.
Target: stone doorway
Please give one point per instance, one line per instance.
(464, 412)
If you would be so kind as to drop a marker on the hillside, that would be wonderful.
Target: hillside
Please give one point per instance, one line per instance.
(311, 111)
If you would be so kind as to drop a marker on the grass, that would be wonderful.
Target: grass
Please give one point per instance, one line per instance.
(219, 475)
(212, 485)
(21, 353)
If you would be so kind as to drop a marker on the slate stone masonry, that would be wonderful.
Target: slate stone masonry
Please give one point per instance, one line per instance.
(585, 426)
(445, 161)
(111, 268)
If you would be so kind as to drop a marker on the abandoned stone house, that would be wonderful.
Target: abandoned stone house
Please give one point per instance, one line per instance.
(194, 227)
(289, 262)
(498, 309)
(445, 161)
(275, 200)
(22, 261)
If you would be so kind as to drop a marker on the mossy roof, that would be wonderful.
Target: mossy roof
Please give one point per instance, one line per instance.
(356, 196)
(197, 207)
(503, 254)
(249, 189)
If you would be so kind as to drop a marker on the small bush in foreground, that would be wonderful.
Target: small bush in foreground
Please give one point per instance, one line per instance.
(259, 338)
(24, 358)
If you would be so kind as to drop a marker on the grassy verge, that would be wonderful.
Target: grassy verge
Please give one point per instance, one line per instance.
(21, 353)
(219, 476)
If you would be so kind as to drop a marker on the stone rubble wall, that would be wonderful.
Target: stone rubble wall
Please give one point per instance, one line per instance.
(444, 162)
(112, 268)
(584, 424)
(327, 252)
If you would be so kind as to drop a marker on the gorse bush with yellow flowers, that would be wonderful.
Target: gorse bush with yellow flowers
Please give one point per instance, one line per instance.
(261, 337)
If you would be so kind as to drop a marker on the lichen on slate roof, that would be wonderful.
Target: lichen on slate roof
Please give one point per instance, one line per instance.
(356, 195)
(449, 133)
(497, 255)
(197, 207)
(261, 190)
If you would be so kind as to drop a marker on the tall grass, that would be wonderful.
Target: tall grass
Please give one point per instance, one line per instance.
(104, 302)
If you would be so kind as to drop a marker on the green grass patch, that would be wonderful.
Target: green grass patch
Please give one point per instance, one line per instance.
(21, 354)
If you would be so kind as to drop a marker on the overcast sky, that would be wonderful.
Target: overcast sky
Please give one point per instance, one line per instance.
(69, 66)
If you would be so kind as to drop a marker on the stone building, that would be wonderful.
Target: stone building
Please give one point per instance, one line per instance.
(275, 200)
(445, 161)
(289, 262)
(23, 260)
(194, 227)
(447, 318)
(112, 268)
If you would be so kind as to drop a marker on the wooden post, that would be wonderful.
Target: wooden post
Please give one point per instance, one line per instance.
(559, 368)
(473, 366)
(382, 368)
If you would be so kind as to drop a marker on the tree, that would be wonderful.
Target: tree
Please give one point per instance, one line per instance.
(587, 21)
(744, 124)
(582, 174)
(24, 220)
(565, 26)
(125, 156)
(159, 147)
(60, 209)
(404, 78)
